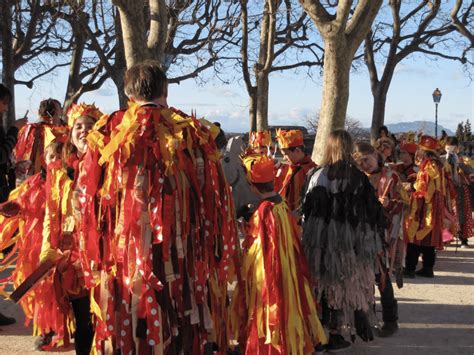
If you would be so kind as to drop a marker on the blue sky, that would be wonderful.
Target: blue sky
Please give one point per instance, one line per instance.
(295, 97)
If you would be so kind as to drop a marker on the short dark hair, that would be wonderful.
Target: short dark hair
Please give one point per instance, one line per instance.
(47, 107)
(5, 93)
(452, 141)
(264, 186)
(146, 81)
(385, 129)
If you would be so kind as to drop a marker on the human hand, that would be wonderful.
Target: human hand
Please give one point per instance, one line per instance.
(384, 201)
(19, 123)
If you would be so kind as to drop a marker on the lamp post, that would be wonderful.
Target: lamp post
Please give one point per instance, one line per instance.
(436, 100)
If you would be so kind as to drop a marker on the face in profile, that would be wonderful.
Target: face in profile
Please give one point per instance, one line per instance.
(293, 156)
(405, 157)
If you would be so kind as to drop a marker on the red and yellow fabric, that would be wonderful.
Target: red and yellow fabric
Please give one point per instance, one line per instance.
(425, 221)
(39, 304)
(31, 143)
(170, 231)
(273, 309)
(260, 139)
(289, 181)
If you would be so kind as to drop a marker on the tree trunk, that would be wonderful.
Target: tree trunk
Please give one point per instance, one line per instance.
(262, 101)
(337, 64)
(378, 114)
(253, 111)
(120, 65)
(73, 89)
(8, 73)
(133, 30)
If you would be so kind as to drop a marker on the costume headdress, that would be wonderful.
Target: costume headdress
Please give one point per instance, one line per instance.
(260, 168)
(289, 139)
(81, 110)
(408, 143)
(260, 139)
(429, 143)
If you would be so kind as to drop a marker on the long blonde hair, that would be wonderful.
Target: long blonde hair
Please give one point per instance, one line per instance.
(338, 155)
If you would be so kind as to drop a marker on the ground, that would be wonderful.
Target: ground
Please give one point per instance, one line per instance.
(436, 315)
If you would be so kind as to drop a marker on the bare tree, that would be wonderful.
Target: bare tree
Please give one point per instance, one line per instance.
(351, 125)
(29, 41)
(462, 22)
(186, 37)
(343, 31)
(282, 29)
(420, 28)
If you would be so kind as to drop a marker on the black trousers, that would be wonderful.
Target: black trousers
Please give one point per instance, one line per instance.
(387, 299)
(84, 335)
(413, 253)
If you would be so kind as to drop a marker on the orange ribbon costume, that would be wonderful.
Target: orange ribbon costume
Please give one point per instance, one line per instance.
(425, 221)
(170, 240)
(290, 178)
(274, 311)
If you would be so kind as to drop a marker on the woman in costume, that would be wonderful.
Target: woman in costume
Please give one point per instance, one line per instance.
(61, 240)
(425, 220)
(343, 226)
(273, 300)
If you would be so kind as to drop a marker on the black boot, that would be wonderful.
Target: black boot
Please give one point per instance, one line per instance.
(425, 272)
(408, 274)
(4, 320)
(388, 329)
(337, 343)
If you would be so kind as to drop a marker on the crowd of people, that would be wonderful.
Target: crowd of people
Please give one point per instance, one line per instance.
(124, 235)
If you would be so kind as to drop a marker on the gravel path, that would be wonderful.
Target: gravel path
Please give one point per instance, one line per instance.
(436, 315)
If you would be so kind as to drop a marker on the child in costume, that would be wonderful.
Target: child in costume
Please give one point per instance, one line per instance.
(28, 152)
(25, 212)
(391, 194)
(171, 230)
(290, 177)
(273, 300)
(425, 220)
(61, 238)
(343, 226)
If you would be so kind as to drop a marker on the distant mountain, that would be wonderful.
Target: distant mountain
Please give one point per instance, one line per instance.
(427, 127)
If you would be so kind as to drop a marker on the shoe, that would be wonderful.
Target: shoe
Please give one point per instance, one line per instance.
(43, 342)
(425, 272)
(408, 274)
(337, 343)
(4, 320)
(464, 246)
(388, 329)
(321, 348)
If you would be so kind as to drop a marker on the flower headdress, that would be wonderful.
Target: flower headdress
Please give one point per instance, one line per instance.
(81, 110)
(259, 168)
(289, 139)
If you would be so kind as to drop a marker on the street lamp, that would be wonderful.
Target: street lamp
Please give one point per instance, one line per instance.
(436, 100)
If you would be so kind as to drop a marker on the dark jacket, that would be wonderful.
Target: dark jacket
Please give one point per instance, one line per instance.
(7, 143)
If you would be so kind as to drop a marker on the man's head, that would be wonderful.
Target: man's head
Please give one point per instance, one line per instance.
(5, 98)
(145, 82)
(291, 145)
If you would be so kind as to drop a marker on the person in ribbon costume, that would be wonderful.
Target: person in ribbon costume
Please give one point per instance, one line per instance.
(170, 230)
(290, 177)
(273, 307)
(62, 239)
(425, 220)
